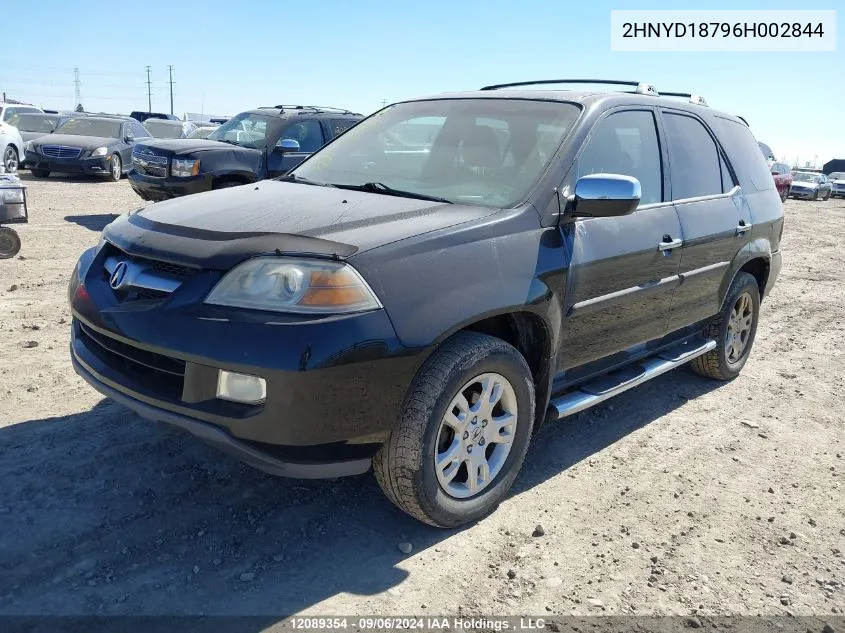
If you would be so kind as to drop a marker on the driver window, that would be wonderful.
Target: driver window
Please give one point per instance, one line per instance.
(309, 135)
(626, 143)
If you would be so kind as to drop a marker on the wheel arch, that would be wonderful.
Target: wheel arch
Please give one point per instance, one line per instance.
(531, 335)
(238, 177)
(756, 261)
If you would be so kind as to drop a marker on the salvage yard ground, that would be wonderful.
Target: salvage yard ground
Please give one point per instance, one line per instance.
(679, 496)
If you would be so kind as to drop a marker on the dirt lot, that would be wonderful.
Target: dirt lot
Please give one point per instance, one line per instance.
(682, 495)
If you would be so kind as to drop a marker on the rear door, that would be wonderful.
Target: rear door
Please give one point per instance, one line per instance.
(715, 216)
(623, 269)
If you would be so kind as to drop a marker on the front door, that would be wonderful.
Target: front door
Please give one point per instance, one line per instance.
(623, 269)
(309, 135)
(715, 216)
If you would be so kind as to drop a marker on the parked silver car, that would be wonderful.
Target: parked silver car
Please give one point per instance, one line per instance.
(837, 183)
(806, 184)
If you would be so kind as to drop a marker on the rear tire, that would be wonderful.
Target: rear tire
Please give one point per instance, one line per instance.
(40, 173)
(815, 196)
(733, 329)
(10, 242)
(826, 196)
(784, 195)
(405, 464)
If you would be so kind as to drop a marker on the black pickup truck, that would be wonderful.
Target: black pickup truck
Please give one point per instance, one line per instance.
(426, 291)
(254, 145)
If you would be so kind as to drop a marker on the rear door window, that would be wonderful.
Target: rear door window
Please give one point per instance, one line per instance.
(339, 126)
(695, 166)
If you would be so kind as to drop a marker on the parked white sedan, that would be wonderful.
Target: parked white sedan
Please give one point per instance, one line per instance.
(11, 146)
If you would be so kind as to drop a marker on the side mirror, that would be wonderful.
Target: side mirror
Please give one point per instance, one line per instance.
(128, 139)
(605, 195)
(287, 145)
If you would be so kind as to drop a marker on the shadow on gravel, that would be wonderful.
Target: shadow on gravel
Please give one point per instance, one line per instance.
(26, 176)
(96, 222)
(103, 513)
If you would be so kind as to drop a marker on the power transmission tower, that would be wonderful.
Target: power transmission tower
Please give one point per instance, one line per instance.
(170, 69)
(149, 92)
(76, 87)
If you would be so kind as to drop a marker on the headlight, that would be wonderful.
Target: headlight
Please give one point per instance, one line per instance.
(100, 151)
(28, 146)
(294, 285)
(183, 168)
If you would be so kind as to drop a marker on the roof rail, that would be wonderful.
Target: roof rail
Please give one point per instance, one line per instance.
(308, 108)
(640, 87)
(696, 99)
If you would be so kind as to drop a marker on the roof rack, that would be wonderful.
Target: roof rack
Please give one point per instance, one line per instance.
(640, 87)
(308, 108)
(696, 99)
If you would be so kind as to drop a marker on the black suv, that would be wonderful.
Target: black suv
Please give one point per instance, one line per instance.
(252, 146)
(429, 288)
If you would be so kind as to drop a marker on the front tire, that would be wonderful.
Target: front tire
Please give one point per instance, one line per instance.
(11, 160)
(463, 432)
(826, 196)
(733, 329)
(784, 195)
(115, 168)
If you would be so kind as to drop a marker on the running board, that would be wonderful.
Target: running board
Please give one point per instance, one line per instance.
(604, 387)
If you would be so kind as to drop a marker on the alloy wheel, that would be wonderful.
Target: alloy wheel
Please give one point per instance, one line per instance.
(739, 328)
(10, 160)
(476, 435)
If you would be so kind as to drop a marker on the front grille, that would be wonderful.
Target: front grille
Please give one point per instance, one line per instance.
(60, 151)
(150, 164)
(159, 281)
(159, 373)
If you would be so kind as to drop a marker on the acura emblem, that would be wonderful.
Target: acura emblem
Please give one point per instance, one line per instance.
(118, 276)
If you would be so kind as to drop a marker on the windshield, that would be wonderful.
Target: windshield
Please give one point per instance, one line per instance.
(837, 175)
(33, 123)
(247, 129)
(87, 126)
(201, 132)
(162, 129)
(473, 151)
(805, 177)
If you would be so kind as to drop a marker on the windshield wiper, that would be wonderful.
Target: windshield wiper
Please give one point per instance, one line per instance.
(378, 187)
(225, 140)
(304, 181)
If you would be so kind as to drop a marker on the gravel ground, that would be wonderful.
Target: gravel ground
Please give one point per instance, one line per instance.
(682, 496)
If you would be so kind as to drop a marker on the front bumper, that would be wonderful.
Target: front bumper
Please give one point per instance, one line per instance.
(802, 192)
(838, 190)
(335, 386)
(156, 188)
(98, 165)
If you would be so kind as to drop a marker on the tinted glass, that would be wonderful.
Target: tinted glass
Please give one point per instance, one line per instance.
(694, 162)
(339, 126)
(626, 143)
(744, 154)
(140, 131)
(89, 126)
(449, 148)
(33, 123)
(309, 135)
(728, 182)
(247, 129)
(806, 177)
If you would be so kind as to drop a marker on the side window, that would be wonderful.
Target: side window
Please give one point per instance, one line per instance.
(626, 143)
(727, 180)
(9, 113)
(339, 126)
(127, 131)
(744, 153)
(309, 135)
(694, 161)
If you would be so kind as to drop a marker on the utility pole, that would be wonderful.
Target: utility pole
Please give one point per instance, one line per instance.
(170, 69)
(149, 92)
(76, 87)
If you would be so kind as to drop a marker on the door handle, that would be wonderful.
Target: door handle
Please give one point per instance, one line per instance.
(668, 243)
(742, 227)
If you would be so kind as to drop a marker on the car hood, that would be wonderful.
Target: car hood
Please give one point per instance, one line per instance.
(218, 229)
(804, 183)
(31, 136)
(73, 140)
(181, 146)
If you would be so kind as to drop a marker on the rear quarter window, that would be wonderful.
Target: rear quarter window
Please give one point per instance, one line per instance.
(744, 154)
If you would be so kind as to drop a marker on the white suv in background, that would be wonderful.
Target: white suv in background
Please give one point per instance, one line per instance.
(11, 144)
(837, 183)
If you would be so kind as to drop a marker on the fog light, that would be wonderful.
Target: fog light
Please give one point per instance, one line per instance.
(241, 387)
